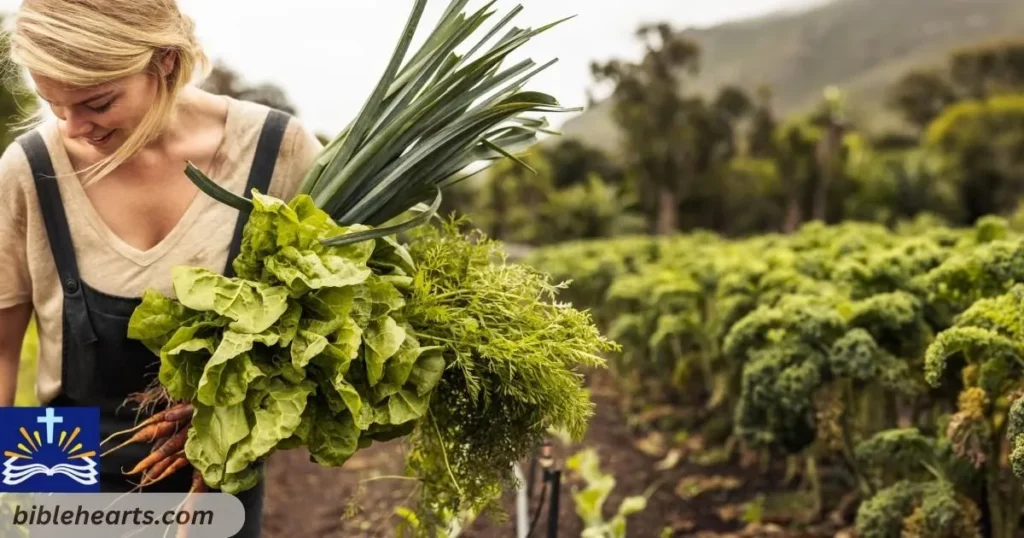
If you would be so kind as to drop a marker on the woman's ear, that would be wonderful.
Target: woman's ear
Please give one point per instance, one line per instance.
(168, 60)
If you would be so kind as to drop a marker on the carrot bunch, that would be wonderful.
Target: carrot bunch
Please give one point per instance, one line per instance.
(168, 431)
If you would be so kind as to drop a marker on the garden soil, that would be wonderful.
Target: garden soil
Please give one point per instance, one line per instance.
(686, 500)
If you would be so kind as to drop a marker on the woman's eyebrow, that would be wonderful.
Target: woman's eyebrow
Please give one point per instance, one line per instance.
(83, 101)
(97, 97)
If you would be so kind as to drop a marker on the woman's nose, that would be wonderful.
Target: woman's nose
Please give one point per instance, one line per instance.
(76, 125)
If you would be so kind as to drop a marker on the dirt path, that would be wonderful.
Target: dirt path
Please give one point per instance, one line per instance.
(306, 500)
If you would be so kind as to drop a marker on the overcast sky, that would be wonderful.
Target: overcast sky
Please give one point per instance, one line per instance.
(328, 54)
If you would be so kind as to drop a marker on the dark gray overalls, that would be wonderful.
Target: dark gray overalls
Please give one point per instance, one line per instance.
(101, 367)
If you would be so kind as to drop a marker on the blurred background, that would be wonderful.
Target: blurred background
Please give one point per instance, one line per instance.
(704, 121)
(736, 116)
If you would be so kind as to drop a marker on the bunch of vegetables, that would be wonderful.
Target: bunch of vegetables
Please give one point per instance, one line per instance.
(334, 333)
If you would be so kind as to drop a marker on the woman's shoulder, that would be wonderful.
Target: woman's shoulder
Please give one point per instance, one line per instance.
(298, 149)
(250, 116)
(16, 183)
(15, 169)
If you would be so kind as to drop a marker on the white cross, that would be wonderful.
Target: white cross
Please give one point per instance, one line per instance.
(50, 419)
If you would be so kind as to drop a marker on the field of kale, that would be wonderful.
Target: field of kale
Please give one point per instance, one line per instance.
(883, 367)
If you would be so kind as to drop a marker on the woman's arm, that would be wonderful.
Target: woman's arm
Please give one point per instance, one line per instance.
(13, 324)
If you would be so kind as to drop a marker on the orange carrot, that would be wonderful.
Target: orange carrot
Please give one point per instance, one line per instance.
(172, 414)
(177, 463)
(179, 413)
(159, 442)
(159, 466)
(166, 450)
(148, 434)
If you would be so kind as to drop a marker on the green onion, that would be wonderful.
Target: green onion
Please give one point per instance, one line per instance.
(433, 119)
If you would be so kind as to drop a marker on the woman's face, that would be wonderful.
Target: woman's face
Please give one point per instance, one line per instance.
(102, 116)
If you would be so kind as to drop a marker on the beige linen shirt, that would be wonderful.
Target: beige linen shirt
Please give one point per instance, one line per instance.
(108, 264)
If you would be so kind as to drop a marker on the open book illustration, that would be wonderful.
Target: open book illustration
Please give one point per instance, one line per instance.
(18, 470)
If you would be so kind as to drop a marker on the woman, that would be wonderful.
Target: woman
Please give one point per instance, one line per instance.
(95, 207)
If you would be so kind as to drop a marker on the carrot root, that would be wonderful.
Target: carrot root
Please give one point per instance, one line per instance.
(173, 445)
(148, 434)
(178, 463)
(176, 413)
(158, 467)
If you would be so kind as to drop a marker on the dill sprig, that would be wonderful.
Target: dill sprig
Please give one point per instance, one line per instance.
(514, 356)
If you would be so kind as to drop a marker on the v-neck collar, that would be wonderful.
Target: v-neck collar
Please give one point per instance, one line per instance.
(77, 194)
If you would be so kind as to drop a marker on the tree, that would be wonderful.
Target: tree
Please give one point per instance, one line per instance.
(921, 96)
(17, 101)
(760, 142)
(223, 80)
(974, 72)
(676, 144)
(980, 141)
(828, 151)
(795, 142)
(650, 108)
(988, 69)
(572, 162)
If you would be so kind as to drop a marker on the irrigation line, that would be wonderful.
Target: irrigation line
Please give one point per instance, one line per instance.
(522, 503)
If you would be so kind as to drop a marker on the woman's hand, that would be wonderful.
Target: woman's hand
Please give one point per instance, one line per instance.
(13, 324)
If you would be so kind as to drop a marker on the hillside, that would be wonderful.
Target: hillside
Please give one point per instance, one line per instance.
(859, 45)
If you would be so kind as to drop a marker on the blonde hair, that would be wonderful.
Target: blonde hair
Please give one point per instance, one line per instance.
(85, 43)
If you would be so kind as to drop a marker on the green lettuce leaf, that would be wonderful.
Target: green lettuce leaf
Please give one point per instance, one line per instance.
(427, 371)
(235, 483)
(330, 303)
(389, 257)
(406, 406)
(277, 413)
(300, 436)
(214, 431)
(180, 373)
(230, 370)
(333, 440)
(375, 298)
(157, 318)
(398, 368)
(303, 271)
(253, 307)
(382, 339)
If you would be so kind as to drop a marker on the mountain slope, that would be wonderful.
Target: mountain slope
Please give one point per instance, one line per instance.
(861, 46)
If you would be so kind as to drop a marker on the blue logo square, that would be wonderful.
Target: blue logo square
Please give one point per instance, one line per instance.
(49, 449)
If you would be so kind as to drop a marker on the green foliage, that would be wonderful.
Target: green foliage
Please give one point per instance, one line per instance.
(897, 453)
(980, 144)
(26, 392)
(512, 352)
(560, 197)
(987, 334)
(307, 346)
(896, 351)
(882, 515)
(332, 348)
(1015, 434)
(589, 501)
(918, 510)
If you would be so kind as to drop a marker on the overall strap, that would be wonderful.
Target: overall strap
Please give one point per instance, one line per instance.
(59, 235)
(263, 164)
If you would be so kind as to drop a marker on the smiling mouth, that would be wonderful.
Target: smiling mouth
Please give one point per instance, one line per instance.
(101, 140)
